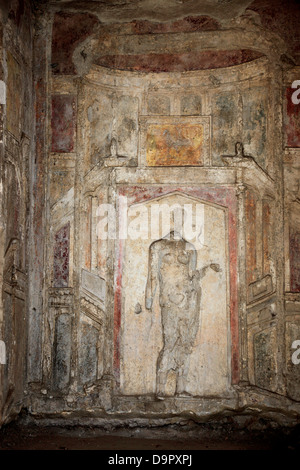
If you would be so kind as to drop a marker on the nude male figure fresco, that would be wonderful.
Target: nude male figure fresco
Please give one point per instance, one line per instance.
(172, 271)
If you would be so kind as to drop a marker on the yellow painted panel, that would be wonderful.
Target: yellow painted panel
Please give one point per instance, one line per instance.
(175, 145)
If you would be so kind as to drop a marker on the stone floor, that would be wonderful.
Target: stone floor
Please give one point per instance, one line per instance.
(16, 437)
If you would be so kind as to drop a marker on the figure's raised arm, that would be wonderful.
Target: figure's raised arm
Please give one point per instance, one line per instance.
(214, 266)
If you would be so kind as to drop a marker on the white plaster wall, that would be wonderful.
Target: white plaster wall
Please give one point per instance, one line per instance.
(141, 334)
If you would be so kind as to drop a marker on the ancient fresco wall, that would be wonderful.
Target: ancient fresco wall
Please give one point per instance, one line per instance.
(125, 110)
(124, 145)
(16, 78)
(291, 226)
(199, 110)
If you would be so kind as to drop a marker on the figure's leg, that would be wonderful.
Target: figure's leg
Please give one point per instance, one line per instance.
(188, 333)
(167, 366)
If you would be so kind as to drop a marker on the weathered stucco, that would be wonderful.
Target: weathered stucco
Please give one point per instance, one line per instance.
(141, 107)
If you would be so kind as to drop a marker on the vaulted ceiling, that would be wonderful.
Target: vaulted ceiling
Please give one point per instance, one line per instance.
(276, 16)
(156, 10)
